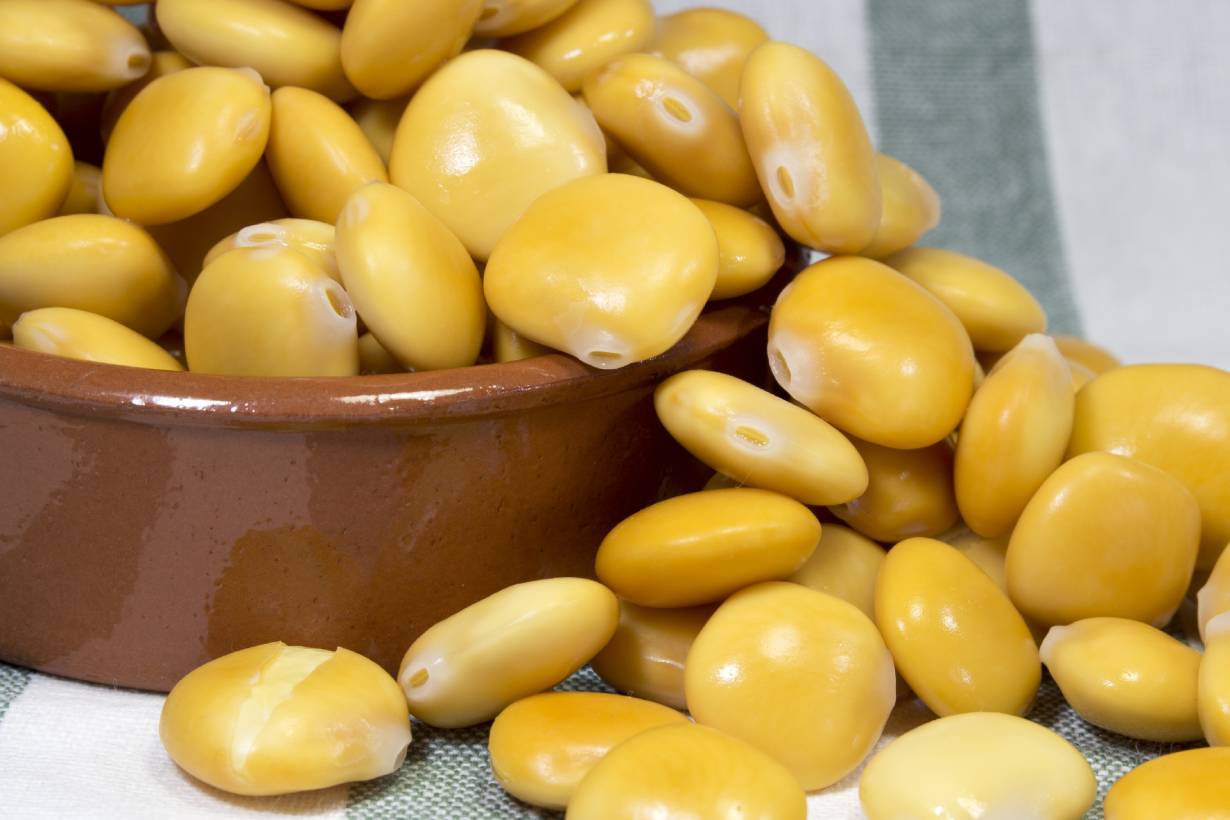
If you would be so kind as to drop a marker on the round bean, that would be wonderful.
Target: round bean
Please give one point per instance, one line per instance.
(910, 208)
(749, 250)
(844, 565)
(645, 657)
(77, 334)
(909, 493)
(710, 44)
(36, 162)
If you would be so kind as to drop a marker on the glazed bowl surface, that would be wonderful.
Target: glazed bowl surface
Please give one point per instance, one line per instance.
(150, 521)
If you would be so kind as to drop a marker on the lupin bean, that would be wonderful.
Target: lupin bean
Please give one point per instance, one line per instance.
(313, 239)
(69, 45)
(1188, 785)
(1214, 596)
(645, 656)
(749, 250)
(504, 18)
(36, 162)
(910, 208)
(711, 44)
(1213, 689)
(844, 565)
(162, 63)
(83, 193)
(77, 334)
(909, 493)
(379, 119)
(510, 346)
(374, 359)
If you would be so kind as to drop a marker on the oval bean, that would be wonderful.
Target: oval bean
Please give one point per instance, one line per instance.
(710, 44)
(36, 162)
(77, 334)
(645, 657)
(69, 45)
(909, 493)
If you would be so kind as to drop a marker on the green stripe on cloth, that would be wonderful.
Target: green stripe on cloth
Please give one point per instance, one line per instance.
(13, 680)
(957, 98)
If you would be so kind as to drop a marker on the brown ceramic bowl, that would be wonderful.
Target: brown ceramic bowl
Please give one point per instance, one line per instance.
(151, 521)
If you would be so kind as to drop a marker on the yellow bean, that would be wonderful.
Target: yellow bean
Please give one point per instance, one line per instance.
(996, 310)
(687, 771)
(909, 492)
(94, 263)
(1104, 535)
(306, 236)
(1189, 785)
(185, 142)
(810, 149)
(749, 250)
(188, 241)
(844, 341)
(286, 44)
(36, 162)
(1213, 691)
(318, 155)
(373, 358)
(486, 136)
(379, 119)
(83, 193)
(978, 765)
(954, 635)
(587, 36)
(1096, 358)
(411, 279)
(542, 746)
(612, 269)
(645, 657)
(504, 18)
(77, 334)
(275, 719)
(1176, 417)
(518, 642)
(1214, 596)
(910, 208)
(988, 554)
(1081, 374)
(390, 46)
(675, 126)
(1126, 677)
(269, 312)
(1014, 435)
(844, 565)
(799, 674)
(699, 548)
(162, 63)
(69, 45)
(510, 346)
(759, 439)
(710, 44)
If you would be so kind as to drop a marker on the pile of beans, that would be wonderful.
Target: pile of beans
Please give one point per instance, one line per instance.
(312, 188)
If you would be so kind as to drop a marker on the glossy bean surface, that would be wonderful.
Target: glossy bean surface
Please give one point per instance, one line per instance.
(1213, 687)
(909, 208)
(844, 565)
(711, 44)
(645, 656)
(77, 334)
(390, 46)
(909, 493)
(69, 45)
(308, 237)
(36, 161)
(749, 249)
(1188, 785)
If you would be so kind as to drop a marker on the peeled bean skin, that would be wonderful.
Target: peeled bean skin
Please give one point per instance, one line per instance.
(504, 18)
(373, 358)
(378, 119)
(286, 44)
(844, 565)
(1214, 595)
(390, 46)
(411, 279)
(612, 269)
(749, 250)
(313, 239)
(688, 771)
(77, 334)
(69, 45)
(801, 675)
(845, 340)
(1175, 417)
(269, 312)
(541, 747)
(83, 193)
(1213, 690)
(1188, 785)
(318, 155)
(954, 635)
(1126, 677)
(645, 656)
(978, 765)
(91, 262)
(710, 44)
(909, 493)
(523, 136)
(810, 148)
(188, 241)
(1104, 535)
(518, 642)
(185, 141)
(36, 162)
(276, 719)
(674, 126)
(510, 346)
(1014, 435)
(911, 207)
(1096, 358)
(996, 310)
(587, 36)
(699, 548)
(162, 63)
(758, 438)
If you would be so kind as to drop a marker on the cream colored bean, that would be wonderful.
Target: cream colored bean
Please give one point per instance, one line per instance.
(520, 641)
(313, 239)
